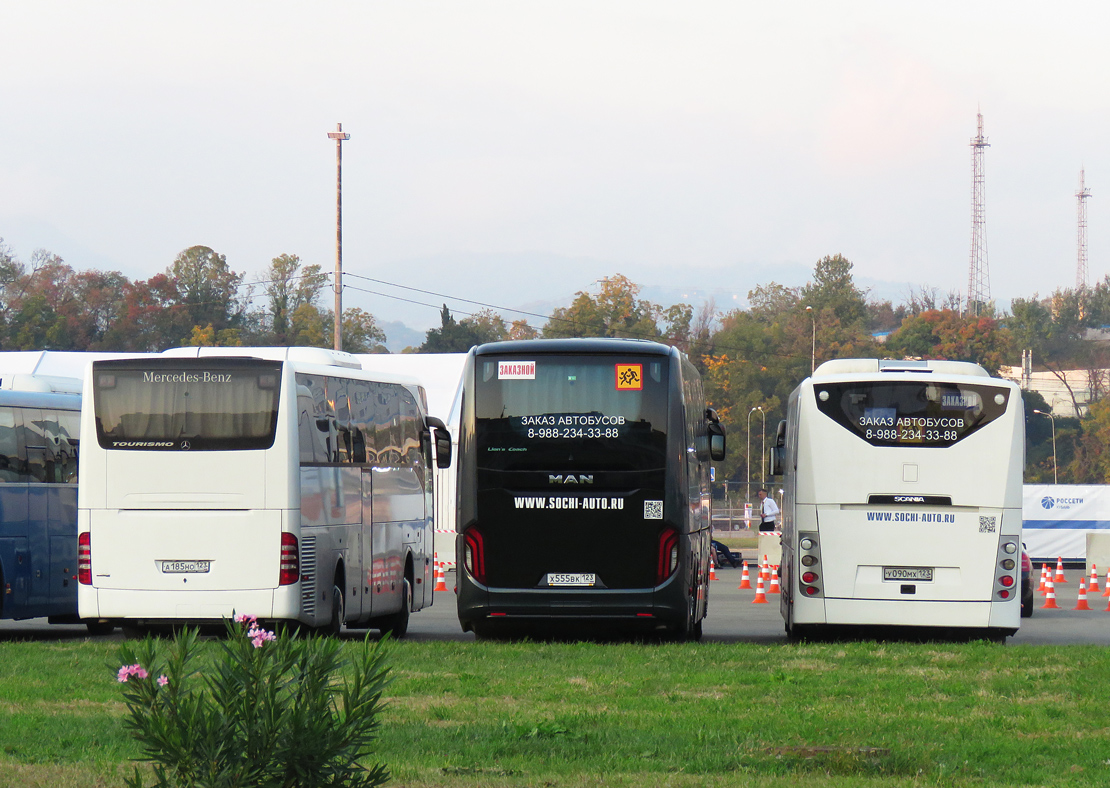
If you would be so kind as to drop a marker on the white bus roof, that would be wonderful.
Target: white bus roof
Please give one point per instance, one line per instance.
(321, 357)
(870, 366)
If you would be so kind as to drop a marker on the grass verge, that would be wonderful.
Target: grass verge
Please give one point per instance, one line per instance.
(569, 714)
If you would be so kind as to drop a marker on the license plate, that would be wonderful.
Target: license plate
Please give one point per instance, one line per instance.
(580, 579)
(922, 574)
(185, 567)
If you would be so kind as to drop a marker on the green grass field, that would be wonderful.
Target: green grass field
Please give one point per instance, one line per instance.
(574, 714)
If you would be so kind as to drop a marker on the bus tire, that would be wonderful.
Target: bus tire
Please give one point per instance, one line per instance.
(334, 627)
(99, 628)
(397, 624)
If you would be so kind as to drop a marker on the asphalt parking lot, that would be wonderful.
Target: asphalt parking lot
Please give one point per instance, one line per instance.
(733, 618)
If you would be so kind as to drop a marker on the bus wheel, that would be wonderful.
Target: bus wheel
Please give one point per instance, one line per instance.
(99, 628)
(334, 627)
(397, 624)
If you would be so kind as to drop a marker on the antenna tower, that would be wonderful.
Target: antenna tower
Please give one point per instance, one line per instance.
(978, 280)
(1081, 268)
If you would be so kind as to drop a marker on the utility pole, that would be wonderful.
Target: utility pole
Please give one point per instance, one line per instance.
(339, 138)
(1081, 267)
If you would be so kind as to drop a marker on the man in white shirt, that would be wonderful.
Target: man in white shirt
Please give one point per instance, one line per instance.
(768, 509)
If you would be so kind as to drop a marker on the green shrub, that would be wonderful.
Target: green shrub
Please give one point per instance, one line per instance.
(262, 711)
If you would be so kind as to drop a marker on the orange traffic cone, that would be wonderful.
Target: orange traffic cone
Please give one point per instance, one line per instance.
(441, 578)
(1082, 603)
(1044, 579)
(764, 569)
(774, 581)
(1106, 585)
(760, 597)
(1093, 585)
(745, 581)
(1059, 571)
(1107, 609)
(713, 569)
(1050, 597)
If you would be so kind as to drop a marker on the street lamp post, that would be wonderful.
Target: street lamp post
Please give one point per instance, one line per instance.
(1055, 478)
(813, 341)
(748, 456)
(728, 506)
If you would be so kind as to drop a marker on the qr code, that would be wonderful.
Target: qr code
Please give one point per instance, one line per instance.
(653, 510)
(987, 525)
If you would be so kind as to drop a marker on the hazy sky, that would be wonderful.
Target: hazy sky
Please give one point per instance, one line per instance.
(514, 152)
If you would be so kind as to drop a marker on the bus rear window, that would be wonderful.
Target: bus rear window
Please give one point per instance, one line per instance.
(556, 412)
(912, 412)
(208, 405)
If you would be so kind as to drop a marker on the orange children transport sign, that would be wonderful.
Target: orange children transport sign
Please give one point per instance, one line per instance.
(630, 377)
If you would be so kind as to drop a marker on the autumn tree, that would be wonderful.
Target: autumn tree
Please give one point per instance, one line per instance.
(288, 285)
(616, 311)
(208, 288)
(944, 334)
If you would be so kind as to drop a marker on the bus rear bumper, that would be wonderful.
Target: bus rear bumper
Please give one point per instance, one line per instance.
(921, 613)
(643, 608)
(195, 607)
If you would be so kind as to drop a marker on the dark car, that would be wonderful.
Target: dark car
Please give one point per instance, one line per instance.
(722, 555)
(1026, 585)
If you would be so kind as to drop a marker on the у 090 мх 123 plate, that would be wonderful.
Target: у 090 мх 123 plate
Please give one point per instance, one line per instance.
(920, 574)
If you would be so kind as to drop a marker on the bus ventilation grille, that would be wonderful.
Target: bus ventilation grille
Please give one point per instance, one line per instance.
(308, 576)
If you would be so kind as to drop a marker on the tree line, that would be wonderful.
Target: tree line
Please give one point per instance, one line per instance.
(750, 358)
(45, 304)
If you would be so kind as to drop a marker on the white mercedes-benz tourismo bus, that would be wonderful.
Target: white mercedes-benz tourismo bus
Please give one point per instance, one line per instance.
(902, 498)
(284, 483)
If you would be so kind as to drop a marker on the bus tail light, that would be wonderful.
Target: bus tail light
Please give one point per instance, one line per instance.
(84, 559)
(290, 563)
(668, 555)
(474, 554)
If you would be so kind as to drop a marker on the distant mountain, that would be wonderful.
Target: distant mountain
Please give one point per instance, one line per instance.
(398, 336)
(531, 285)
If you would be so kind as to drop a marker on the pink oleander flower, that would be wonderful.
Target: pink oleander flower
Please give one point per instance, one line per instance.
(127, 671)
(243, 618)
(259, 636)
(163, 681)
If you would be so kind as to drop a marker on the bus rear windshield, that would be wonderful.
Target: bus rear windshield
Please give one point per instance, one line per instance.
(565, 413)
(209, 405)
(911, 413)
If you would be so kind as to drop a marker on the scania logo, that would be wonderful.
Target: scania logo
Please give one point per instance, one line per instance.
(1048, 502)
(186, 445)
(570, 478)
(909, 499)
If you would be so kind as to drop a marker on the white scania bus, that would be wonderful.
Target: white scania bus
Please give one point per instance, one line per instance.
(284, 483)
(902, 498)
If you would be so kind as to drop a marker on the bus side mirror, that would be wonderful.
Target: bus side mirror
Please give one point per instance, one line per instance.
(778, 459)
(443, 447)
(443, 441)
(716, 441)
(780, 434)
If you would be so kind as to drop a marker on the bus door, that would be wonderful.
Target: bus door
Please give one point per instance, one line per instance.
(38, 502)
(365, 605)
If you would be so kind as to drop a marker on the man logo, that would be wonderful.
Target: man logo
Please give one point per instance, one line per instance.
(1048, 502)
(570, 478)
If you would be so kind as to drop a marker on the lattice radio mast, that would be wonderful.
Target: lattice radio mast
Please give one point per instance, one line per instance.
(1081, 268)
(978, 280)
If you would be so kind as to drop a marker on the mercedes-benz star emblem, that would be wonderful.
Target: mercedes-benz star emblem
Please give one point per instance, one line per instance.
(186, 445)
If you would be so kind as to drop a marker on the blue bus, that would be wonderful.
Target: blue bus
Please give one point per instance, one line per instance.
(38, 506)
